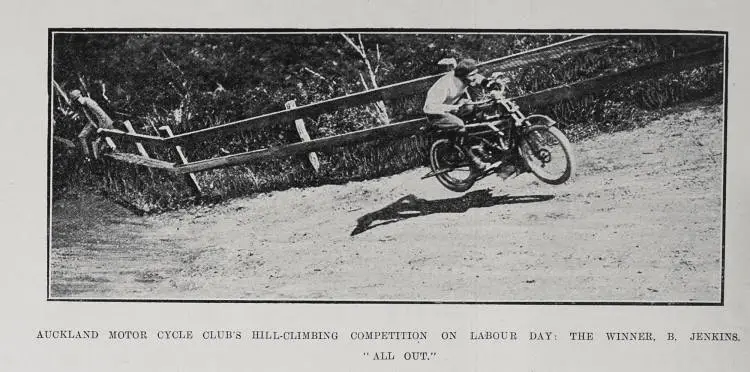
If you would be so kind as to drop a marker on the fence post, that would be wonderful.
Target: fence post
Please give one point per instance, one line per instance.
(140, 147)
(190, 177)
(110, 143)
(107, 140)
(302, 131)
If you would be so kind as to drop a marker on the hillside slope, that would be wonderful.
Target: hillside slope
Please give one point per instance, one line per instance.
(640, 222)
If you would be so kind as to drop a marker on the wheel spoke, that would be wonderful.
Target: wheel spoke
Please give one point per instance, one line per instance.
(547, 153)
(450, 166)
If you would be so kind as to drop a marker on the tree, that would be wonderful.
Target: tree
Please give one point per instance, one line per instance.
(380, 112)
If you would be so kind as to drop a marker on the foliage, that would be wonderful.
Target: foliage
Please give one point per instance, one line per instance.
(192, 81)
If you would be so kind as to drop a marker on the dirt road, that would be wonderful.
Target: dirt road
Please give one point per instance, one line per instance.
(641, 222)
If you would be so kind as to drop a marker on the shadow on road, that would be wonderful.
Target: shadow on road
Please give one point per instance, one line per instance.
(411, 206)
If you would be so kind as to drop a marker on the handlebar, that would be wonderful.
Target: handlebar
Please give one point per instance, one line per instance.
(494, 99)
(502, 82)
(490, 83)
(479, 103)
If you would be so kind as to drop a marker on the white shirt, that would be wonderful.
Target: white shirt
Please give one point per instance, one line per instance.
(444, 94)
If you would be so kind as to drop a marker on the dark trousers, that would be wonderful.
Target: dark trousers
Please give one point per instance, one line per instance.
(87, 131)
(452, 122)
(446, 121)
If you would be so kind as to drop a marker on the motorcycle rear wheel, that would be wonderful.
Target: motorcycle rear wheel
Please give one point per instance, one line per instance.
(548, 154)
(452, 166)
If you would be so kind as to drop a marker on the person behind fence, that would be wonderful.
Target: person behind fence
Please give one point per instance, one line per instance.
(445, 101)
(95, 117)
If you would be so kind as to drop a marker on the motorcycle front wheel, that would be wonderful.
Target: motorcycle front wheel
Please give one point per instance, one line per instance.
(548, 154)
(451, 166)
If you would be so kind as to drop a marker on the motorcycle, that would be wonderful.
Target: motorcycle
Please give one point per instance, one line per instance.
(500, 134)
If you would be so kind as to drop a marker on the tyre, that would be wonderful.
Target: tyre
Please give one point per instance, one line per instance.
(452, 166)
(548, 154)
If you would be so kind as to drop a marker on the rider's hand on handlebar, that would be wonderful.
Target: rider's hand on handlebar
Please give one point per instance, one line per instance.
(465, 109)
(496, 94)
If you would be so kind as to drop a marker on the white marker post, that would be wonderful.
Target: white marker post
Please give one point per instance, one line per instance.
(190, 177)
(141, 149)
(302, 131)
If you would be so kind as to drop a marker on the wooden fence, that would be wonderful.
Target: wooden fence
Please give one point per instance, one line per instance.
(548, 96)
(420, 85)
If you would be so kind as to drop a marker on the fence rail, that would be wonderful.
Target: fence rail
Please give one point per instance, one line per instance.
(563, 92)
(386, 131)
(141, 160)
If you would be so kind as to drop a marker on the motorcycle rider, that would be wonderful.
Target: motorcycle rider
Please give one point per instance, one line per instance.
(446, 100)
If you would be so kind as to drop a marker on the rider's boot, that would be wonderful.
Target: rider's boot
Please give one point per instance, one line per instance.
(479, 149)
(460, 139)
(479, 164)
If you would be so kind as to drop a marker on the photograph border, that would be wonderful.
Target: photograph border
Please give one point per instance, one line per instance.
(50, 100)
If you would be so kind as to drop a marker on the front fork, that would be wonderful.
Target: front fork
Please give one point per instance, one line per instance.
(533, 139)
